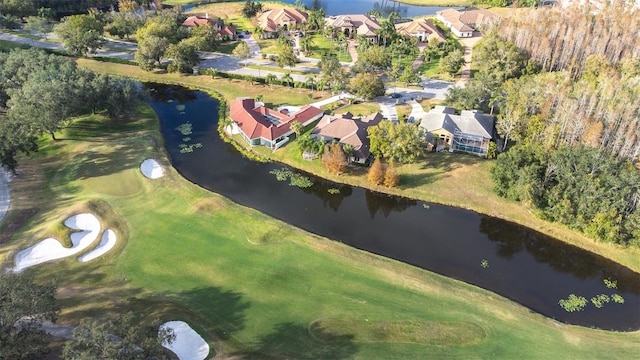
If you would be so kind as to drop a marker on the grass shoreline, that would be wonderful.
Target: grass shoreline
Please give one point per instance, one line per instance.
(484, 202)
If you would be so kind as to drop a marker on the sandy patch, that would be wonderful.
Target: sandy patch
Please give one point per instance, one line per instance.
(51, 249)
(188, 344)
(151, 169)
(107, 243)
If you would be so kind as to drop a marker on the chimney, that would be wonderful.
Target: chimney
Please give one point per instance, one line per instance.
(206, 15)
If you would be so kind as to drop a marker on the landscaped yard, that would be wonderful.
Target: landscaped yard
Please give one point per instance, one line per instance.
(321, 45)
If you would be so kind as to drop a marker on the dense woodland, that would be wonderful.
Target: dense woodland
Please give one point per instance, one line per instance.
(565, 84)
(40, 94)
(59, 8)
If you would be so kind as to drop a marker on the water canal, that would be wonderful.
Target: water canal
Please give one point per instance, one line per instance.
(523, 265)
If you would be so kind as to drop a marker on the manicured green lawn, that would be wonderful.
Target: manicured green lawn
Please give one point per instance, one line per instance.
(322, 45)
(255, 287)
(227, 47)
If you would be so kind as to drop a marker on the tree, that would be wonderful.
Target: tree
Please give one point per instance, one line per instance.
(270, 79)
(334, 158)
(366, 86)
(403, 142)
(122, 25)
(23, 305)
(452, 62)
(134, 340)
(184, 56)
(41, 25)
(376, 172)
(251, 8)
(306, 43)
(297, 128)
(391, 178)
(150, 52)
(286, 57)
(127, 6)
(332, 74)
(242, 50)
(377, 56)
(80, 33)
(286, 78)
(309, 144)
(409, 75)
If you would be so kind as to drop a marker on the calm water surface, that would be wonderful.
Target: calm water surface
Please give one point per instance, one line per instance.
(525, 266)
(340, 7)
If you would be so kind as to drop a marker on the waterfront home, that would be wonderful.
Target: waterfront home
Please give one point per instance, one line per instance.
(259, 125)
(352, 25)
(225, 32)
(468, 132)
(464, 23)
(271, 21)
(422, 29)
(348, 130)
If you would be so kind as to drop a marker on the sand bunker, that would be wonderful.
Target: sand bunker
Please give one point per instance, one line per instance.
(151, 169)
(107, 243)
(188, 344)
(51, 249)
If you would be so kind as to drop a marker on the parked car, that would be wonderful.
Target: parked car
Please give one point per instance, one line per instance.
(240, 36)
(300, 34)
(396, 96)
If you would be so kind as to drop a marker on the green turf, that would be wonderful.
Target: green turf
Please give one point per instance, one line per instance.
(255, 287)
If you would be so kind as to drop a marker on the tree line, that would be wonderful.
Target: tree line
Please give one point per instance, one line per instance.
(563, 38)
(581, 187)
(41, 94)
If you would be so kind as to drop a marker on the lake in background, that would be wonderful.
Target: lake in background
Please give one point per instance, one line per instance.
(340, 7)
(523, 265)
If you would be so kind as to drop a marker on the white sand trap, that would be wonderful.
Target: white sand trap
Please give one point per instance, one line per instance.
(151, 169)
(51, 249)
(188, 344)
(107, 243)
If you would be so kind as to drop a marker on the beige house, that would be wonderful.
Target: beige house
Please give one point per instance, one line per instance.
(422, 29)
(352, 25)
(464, 23)
(286, 19)
(468, 132)
(348, 130)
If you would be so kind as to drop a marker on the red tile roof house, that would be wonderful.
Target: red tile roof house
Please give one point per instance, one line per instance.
(423, 29)
(347, 130)
(260, 125)
(223, 31)
(464, 23)
(285, 18)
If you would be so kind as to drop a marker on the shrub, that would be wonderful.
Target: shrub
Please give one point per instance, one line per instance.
(376, 172)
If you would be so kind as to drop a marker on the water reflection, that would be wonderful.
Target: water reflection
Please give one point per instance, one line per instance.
(525, 266)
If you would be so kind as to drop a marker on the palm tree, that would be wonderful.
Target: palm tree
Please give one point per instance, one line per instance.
(311, 82)
(270, 79)
(287, 78)
(258, 31)
(306, 43)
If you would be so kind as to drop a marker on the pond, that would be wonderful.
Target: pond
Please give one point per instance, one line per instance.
(510, 260)
(340, 7)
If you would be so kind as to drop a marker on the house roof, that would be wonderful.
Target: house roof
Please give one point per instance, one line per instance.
(262, 122)
(465, 21)
(472, 122)
(348, 131)
(193, 21)
(227, 30)
(364, 25)
(270, 19)
(419, 26)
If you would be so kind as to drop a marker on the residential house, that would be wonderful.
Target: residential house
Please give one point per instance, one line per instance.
(348, 130)
(225, 32)
(422, 29)
(464, 23)
(259, 125)
(468, 132)
(286, 19)
(352, 25)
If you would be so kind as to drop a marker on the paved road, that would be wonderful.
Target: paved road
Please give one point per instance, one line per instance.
(5, 196)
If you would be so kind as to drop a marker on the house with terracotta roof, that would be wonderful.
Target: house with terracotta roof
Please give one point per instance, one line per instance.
(348, 130)
(422, 29)
(259, 125)
(469, 132)
(286, 19)
(225, 32)
(352, 25)
(464, 23)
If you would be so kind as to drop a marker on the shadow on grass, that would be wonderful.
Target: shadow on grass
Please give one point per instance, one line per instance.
(435, 166)
(289, 340)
